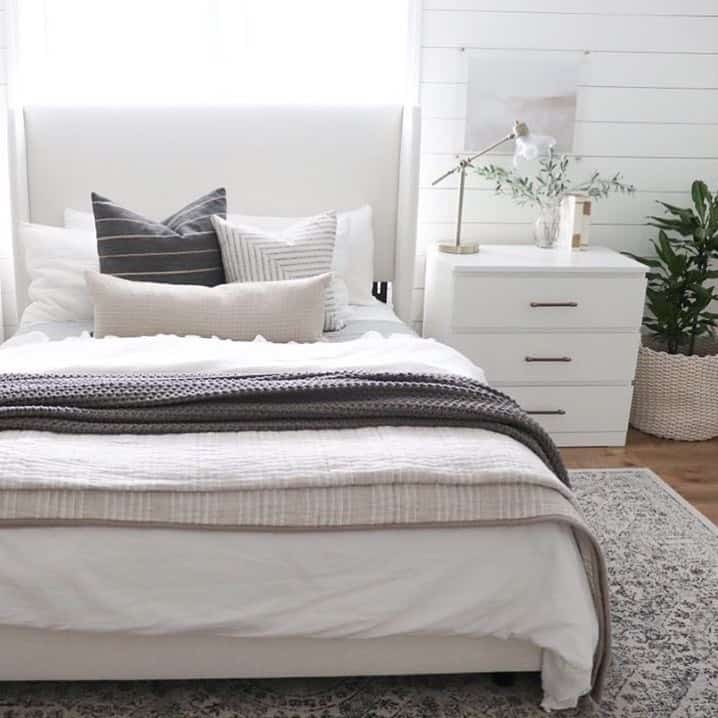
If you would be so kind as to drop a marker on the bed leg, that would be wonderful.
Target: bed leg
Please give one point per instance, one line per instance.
(504, 680)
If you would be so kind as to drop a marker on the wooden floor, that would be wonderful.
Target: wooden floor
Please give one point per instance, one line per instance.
(691, 468)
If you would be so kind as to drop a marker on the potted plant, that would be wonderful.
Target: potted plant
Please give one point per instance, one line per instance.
(676, 389)
(545, 192)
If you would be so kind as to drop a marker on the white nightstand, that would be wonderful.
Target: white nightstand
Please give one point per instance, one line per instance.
(559, 332)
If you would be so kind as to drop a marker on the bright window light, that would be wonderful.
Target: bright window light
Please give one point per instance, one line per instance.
(180, 51)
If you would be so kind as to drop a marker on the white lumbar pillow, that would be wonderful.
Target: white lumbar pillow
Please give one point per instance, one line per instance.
(282, 311)
(353, 252)
(56, 260)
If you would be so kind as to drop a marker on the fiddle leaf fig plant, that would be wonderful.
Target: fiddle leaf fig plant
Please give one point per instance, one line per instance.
(681, 283)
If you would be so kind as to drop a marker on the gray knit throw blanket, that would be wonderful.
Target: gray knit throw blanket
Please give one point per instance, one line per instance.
(185, 403)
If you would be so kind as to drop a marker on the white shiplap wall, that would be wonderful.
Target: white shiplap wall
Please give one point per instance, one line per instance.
(8, 319)
(647, 106)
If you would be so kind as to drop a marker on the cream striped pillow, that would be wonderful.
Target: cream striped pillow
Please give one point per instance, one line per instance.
(304, 249)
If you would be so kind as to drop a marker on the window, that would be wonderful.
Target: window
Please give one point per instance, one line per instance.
(146, 51)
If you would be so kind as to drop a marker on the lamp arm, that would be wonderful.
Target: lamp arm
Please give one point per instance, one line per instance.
(519, 130)
(445, 175)
(510, 136)
(466, 162)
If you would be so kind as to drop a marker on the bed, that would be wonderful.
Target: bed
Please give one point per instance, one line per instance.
(89, 590)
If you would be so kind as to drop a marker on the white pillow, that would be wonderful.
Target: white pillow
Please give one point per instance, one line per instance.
(56, 260)
(353, 253)
(282, 311)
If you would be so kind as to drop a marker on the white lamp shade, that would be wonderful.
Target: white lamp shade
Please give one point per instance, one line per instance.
(531, 146)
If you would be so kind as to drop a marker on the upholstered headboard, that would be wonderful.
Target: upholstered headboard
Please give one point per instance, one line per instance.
(273, 160)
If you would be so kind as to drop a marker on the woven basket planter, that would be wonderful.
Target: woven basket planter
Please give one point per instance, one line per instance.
(676, 396)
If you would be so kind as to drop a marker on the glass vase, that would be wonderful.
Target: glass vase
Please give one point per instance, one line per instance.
(546, 227)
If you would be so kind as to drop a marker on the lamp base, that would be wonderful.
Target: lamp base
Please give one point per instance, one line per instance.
(453, 248)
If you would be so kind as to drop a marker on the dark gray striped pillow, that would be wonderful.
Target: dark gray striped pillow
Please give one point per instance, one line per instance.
(182, 249)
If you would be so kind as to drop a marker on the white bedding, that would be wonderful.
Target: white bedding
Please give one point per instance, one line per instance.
(526, 582)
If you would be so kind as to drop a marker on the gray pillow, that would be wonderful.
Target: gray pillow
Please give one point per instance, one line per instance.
(285, 311)
(181, 249)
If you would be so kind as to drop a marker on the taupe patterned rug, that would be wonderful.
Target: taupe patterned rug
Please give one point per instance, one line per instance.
(663, 565)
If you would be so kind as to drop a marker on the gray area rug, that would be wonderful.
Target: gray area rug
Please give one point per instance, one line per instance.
(663, 565)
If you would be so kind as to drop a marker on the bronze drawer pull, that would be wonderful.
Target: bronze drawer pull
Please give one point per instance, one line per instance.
(549, 412)
(553, 304)
(547, 359)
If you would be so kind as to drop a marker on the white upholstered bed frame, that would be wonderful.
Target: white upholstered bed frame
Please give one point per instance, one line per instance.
(272, 160)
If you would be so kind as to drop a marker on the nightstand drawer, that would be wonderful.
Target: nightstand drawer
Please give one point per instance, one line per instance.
(575, 409)
(558, 357)
(546, 302)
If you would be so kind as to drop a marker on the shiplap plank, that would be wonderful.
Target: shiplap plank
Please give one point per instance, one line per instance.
(444, 64)
(592, 7)
(442, 136)
(648, 174)
(620, 104)
(598, 104)
(487, 232)
(600, 139)
(631, 237)
(620, 69)
(436, 205)
(637, 69)
(440, 101)
(649, 33)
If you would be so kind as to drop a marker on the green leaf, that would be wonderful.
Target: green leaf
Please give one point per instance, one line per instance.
(684, 214)
(700, 195)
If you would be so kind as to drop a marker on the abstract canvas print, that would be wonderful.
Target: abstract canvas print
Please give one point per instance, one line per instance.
(538, 88)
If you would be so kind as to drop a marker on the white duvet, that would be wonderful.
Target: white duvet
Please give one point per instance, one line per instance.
(33, 352)
(525, 582)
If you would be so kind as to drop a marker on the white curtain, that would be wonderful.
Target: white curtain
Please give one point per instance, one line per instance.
(147, 51)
